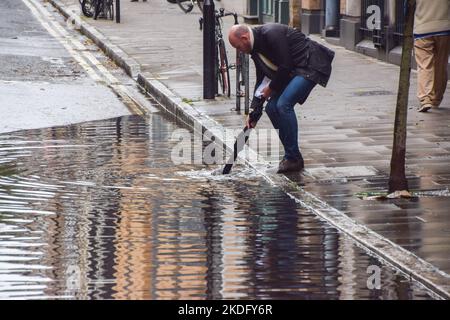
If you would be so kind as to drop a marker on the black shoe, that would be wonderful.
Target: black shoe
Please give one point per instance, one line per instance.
(287, 165)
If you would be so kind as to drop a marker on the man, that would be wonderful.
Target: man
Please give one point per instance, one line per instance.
(431, 47)
(294, 64)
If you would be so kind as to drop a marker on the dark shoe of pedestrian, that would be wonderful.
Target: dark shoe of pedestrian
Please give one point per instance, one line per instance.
(288, 165)
(134, 0)
(425, 108)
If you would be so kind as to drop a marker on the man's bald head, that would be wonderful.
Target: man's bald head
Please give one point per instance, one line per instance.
(240, 38)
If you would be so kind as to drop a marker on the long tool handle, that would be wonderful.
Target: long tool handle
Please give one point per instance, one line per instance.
(229, 165)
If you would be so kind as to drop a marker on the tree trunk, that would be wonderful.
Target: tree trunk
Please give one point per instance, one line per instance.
(397, 179)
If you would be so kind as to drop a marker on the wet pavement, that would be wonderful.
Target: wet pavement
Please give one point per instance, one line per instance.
(98, 211)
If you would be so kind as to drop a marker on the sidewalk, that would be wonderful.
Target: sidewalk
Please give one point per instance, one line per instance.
(345, 129)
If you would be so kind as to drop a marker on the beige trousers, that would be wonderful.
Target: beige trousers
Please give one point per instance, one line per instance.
(432, 59)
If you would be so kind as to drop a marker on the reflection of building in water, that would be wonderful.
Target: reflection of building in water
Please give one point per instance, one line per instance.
(264, 246)
(81, 236)
(235, 275)
(67, 248)
(130, 243)
(347, 265)
(302, 254)
(155, 256)
(119, 234)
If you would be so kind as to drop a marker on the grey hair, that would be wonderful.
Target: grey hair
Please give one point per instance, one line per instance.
(241, 30)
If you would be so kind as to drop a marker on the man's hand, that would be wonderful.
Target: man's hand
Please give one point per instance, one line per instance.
(249, 124)
(257, 106)
(267, 92)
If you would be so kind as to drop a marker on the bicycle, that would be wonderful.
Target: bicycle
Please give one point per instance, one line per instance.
(222, 67)
(188, 5)
(104, 8)
(242, 80)
(98, 8)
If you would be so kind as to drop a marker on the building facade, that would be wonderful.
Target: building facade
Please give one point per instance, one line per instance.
(370, 27)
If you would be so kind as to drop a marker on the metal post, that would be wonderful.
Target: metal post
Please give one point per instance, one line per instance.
(246, 77)
(117, 11)
(209, 50)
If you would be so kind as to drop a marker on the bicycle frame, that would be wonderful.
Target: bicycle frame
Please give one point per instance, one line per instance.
(242, 79)
(241, 65)
(103, 6)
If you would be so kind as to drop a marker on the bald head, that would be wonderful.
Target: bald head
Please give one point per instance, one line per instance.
(240, 38)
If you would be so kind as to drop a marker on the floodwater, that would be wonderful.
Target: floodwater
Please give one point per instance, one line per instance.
(98, 211)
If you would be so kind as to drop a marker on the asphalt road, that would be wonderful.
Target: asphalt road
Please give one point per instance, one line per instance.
(42, 80)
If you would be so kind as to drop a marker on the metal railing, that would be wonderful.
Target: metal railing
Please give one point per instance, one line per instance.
(370, 17)
(379, 35)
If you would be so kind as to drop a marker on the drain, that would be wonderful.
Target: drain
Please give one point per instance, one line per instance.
(373, 93)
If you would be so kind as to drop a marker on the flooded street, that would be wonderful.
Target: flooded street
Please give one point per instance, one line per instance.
(97, 210)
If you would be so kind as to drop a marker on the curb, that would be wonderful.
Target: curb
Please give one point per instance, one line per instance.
(385, 250)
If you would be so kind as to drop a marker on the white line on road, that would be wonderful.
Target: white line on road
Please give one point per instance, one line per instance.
(98, 72)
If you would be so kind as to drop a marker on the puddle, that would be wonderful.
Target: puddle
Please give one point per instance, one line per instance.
(238, 173)
(98, 211)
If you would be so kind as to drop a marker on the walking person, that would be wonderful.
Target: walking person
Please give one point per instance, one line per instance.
(291, 64)
(431, 49)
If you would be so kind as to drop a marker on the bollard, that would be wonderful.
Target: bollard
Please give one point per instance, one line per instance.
(117, 11)
(209, 50)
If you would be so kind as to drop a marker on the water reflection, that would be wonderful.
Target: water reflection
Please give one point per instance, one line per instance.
(97, 211)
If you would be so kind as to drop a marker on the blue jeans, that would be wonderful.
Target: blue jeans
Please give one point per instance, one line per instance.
(280, 110)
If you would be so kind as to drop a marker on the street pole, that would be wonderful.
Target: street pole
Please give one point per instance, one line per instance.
(117, 11)
(209, 50)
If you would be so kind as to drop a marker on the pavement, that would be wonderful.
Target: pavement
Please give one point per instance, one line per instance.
(345, 134)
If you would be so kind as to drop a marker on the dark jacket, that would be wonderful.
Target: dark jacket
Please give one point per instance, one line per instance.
(292, 52)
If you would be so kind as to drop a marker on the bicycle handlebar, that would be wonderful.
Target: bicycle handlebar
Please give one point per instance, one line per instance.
(220, 14)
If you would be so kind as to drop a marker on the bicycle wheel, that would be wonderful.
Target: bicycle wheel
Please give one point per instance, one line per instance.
(87, 7)
(224, 71)
(200, 5)
(98, 8)
(185, 5)
(109, 9)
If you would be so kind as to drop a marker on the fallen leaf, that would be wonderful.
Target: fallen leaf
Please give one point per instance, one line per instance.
(399, 194)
